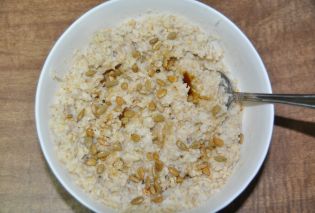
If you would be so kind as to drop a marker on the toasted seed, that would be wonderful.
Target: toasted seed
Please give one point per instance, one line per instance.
(158, 189)
(173, 171)
(153, 41)
(210, 147)
(139, 87)
(152, 106)
(101, 110)
(124, 121)
(182, 146)
(103, 80)
(171, 78)
(110, 83)
(103, 155)
(137, 200)
(202, 165)
(215, 110)
(90, 162)
(80, 115)
(172, 35)
(220, 158)
(189, 98)
(129, 113)
(135, 137)
(124, 86)
(154, 171)
(88, 140)
(111, 74)
(168, 62)
(69, 116)
(203, 152)
(100, 168)
(158, 118)
(241, 138)
(135, 68)
(195, 145)
(117, 147)
(155, 156)
(159, 142)
(157, 199)
(161, 93)
(218, 141)
(147, 182)
(96, 94)
(205, 97)
(179, 179)
(118, 164)
(147, 85)
(134, 179)
(211, 144)
(89, 132)
(93, 157)
(157, 45)
(93, 149)
(171, 61)
(206, 171)
(102, 141)
(160, 82)
(149, 155)
(94, 108)
(107, 71)
(118, 109)
(158, 165)
(152, 190)
(155, 178)
(120, 101)
(140, 173)
(90, 73)
(117, 72)
(151, 73)
(136, 54)
(157, 186)
(195, 98)
(146, 191)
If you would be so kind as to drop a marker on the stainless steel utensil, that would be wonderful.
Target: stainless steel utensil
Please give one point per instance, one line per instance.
(304, 100)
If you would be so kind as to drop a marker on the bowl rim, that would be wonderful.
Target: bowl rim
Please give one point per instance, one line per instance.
(45, 67)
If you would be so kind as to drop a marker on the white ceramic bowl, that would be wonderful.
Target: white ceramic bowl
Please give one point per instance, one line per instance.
(240, 56)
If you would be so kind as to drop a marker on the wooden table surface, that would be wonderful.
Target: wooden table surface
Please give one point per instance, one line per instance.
(283, 31)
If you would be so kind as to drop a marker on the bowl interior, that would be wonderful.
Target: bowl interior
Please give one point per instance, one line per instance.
(240, 56)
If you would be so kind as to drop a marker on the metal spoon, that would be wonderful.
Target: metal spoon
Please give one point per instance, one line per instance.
(304, 100)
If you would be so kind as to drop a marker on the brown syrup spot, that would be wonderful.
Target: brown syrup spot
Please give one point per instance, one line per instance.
(187, 78)
(192, 94)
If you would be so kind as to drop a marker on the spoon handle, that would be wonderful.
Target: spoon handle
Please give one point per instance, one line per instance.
(304, 100)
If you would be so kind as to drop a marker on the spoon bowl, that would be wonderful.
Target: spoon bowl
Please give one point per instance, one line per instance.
(303, 100)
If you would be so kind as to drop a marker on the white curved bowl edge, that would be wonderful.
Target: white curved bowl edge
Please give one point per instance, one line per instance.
(241, 57)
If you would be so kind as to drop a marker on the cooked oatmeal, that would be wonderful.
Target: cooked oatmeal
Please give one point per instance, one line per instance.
(139, 119)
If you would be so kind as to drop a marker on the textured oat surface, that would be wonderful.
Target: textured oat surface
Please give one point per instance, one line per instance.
(140, 115)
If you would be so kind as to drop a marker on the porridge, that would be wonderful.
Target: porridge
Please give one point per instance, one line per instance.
(139, 119)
